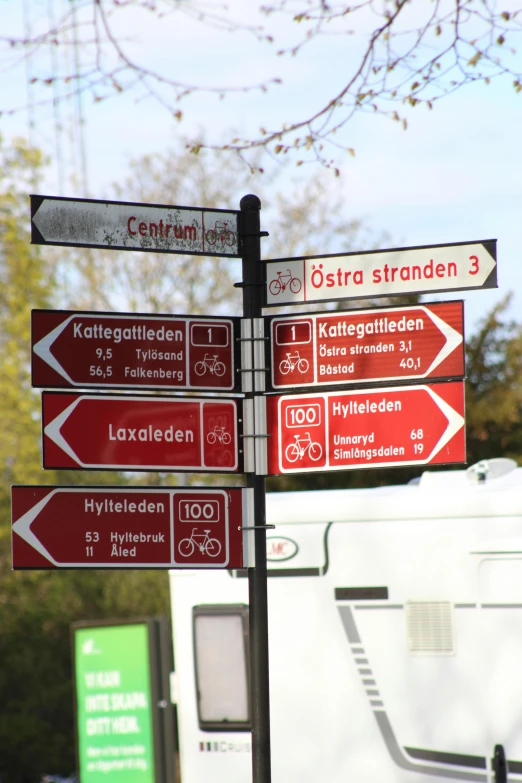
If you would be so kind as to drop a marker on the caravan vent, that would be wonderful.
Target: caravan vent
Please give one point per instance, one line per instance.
(429, 627)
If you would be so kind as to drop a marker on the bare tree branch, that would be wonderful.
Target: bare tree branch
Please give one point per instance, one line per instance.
(409, 54)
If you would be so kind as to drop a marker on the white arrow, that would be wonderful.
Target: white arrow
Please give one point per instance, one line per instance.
(52, 430)
(455, 422)
(453, 340)
(22, 527)
(43, 349)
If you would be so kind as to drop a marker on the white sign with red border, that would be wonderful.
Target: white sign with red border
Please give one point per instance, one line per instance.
(409, 270)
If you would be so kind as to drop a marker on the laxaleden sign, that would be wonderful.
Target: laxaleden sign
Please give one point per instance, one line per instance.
(120, 225)
(408, 270)
(125, 432)
(115, 704)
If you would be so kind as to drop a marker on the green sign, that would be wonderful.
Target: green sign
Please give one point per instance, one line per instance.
(114, 704)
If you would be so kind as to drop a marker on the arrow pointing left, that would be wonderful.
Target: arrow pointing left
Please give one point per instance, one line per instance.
(120, 225)
(129, 527)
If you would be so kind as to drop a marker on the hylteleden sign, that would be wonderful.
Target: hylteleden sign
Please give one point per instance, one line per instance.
(425, 269)
(104, 350)
(116, 703)
(156, 228)
(422, 341)
(383, 427)
(99, 527)
(127, 432)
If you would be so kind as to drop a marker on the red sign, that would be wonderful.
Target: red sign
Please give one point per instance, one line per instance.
(384, 427)
(92, 527)
(139, 433)
(421, 341)
(102, 350)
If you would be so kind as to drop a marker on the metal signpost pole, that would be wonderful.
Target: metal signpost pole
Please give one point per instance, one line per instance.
(253, 281)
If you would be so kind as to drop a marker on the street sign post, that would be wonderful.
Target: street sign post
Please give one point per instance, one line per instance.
(120, 225)
(378, 427)
(407, 270)
(124, 527)
(330, 431)
(362, 346)
(124, 432)
(124, 351)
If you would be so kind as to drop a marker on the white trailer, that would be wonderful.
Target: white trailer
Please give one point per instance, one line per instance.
(395, 638)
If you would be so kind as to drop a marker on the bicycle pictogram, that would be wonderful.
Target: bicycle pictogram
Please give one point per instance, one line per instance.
(283, 281)
(210, 364)
(202, 541)
(219, 434)
(302, 445)
(221, 233)
(292, 362)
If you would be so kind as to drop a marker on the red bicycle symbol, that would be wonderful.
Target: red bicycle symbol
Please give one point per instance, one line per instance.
(221, 233)
(283, 281)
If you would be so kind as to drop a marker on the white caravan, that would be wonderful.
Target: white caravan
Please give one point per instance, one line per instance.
(395, 636)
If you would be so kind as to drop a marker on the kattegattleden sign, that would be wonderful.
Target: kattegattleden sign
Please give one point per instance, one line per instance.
(367, 346)
(129, 527)
(426, 269)
(125, 351)
(120, 225)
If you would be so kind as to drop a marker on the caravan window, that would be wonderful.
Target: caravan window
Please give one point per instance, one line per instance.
(221, 666)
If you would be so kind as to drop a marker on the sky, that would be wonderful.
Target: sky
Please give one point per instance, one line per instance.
(452, 176)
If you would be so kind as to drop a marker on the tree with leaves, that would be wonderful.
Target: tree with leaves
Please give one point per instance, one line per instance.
(300, 218)
(401, 54)
(494, 387)
(25, 282)
(37, 607)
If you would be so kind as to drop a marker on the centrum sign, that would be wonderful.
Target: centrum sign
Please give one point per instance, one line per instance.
(121, 225)
(429, 268)
(115, 704)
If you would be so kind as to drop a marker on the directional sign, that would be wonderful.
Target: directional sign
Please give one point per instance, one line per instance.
(93, 527)
(140, 433)
(120, 225)
(327, 349)
(103, 350)
(407, 270)
(382, 427)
